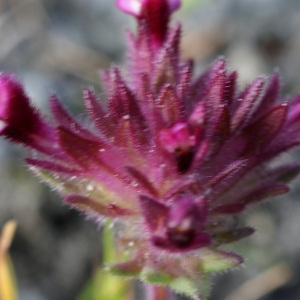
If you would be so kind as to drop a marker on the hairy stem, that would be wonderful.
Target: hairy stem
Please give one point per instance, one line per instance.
(154, 292)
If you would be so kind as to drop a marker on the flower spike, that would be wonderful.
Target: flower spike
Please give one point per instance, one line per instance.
(171, 159)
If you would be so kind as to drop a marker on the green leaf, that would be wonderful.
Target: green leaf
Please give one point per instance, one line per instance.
(198, 289)
(216, 260)
(152, 276)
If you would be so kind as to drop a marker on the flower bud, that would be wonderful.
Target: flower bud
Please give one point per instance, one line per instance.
(135, 7)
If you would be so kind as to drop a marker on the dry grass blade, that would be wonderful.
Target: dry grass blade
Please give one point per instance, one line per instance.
(7, 281)
(7, 235)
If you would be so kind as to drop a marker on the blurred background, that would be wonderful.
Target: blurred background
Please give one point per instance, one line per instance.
(59, 46)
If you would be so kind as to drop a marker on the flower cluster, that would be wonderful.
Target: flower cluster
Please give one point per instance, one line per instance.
(171, 160)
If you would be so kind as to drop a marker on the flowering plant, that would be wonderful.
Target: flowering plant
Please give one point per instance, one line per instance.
(172, 160)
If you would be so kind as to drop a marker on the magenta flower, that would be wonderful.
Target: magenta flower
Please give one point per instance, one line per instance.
(172, 159)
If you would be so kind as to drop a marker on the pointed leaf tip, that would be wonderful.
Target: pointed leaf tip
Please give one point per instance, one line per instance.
(20, 121)
(246, 104)
(216, 260)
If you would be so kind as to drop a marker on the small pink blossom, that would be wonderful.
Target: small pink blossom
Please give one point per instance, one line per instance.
(135, 7)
